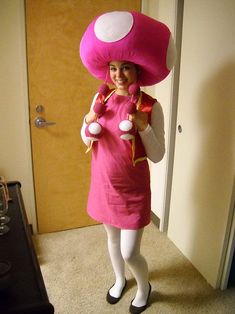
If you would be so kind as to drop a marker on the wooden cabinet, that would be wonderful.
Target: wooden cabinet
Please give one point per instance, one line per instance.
(26, 292)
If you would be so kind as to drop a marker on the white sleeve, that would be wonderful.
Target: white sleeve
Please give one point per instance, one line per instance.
(84, 125)
(153, 137)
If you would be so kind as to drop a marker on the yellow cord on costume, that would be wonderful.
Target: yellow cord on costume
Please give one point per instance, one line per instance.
(89, 146)
(134, 161)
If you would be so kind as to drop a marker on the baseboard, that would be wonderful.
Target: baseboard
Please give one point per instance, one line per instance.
(155, 220)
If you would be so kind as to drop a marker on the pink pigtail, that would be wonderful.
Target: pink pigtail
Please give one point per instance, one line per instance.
(134, 91)
(99, 107)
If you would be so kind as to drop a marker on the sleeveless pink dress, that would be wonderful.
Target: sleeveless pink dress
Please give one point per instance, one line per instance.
(119, 191)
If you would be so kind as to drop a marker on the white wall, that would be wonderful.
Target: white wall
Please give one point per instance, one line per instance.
(164, 11)
(15, 155)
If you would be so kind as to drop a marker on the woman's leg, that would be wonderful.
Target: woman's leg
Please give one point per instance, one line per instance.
(116, 260)
(130, 249)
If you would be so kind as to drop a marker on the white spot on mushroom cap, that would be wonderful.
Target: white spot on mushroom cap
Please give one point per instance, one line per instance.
(113, 26)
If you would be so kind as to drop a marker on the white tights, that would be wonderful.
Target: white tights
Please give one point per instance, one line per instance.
(124, 246)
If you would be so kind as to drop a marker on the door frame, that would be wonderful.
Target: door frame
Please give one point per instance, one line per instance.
(179, 10)
(229, 245)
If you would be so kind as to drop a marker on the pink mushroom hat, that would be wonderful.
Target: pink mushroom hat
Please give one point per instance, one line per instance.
(128, 36)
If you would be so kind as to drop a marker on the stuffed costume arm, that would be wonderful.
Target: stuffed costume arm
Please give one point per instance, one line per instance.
(153, 137)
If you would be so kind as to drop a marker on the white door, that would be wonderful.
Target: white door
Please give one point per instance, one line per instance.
(204, 162)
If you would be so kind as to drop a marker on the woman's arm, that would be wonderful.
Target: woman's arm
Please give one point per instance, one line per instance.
(90, 117)
(153, 136)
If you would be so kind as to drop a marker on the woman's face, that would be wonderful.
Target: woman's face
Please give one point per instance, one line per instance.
(122, 74)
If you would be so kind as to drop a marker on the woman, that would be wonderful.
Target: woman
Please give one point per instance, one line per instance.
(127, 186)
(120, 195)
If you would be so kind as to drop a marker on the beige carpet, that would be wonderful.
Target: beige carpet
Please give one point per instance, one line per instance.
(77, 273)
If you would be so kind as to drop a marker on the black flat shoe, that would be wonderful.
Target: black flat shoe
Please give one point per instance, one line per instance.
(139, 309)
(112, 300)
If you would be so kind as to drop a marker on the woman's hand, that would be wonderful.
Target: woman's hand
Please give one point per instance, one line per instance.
(90, 117)
(140, 119)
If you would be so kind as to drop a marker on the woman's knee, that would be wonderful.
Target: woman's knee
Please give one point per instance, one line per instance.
(130, 244)
(129, 254)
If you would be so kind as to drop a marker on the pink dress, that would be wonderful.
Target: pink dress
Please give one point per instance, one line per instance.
(119, 191)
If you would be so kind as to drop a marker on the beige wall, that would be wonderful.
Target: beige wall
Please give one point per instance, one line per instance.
(15, 155)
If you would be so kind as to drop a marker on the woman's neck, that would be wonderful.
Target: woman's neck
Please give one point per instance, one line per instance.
(122, 92)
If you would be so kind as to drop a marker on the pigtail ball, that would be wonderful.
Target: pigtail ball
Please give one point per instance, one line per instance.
(93, 131)
(99, 107)
(127, 130)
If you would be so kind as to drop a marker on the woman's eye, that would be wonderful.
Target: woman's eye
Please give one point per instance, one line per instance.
(112, 69)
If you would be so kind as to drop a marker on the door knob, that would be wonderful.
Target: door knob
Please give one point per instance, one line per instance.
(42, 123)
